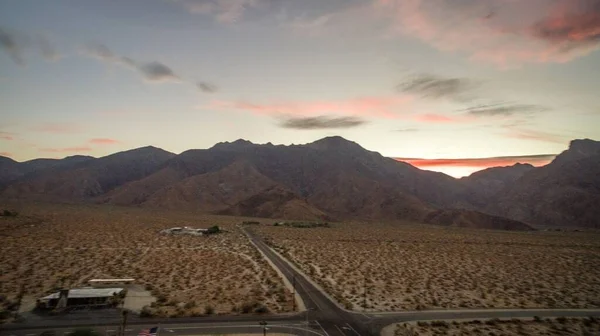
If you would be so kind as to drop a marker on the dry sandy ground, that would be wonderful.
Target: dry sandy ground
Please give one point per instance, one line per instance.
(558, 326)
(50, 246)
(408, 266)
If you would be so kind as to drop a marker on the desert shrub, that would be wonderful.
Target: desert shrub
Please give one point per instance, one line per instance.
(493, 322)
(440, 324)
(146, 312)
(161, 298)
(8, 213)
(4, 314)
(247, 307)
(213, 229)
(209, 310)
(190, 305)
(261, 309)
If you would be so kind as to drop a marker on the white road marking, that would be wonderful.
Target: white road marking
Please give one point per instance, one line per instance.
(319, 324)
(349, 326)
(340, 330)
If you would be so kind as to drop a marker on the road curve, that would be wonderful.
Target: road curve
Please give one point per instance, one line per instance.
(334, 319)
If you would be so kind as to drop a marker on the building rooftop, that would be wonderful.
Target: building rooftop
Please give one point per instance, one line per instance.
(86, 293)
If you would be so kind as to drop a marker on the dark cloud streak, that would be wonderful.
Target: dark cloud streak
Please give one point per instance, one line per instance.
(13, 46)
(16, 44)
(152, 71)
(503, 109)
(321, 122)
(207, 87)
(437, 88)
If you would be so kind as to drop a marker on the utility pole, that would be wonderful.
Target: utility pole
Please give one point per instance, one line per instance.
(264, 326)
(123, 322)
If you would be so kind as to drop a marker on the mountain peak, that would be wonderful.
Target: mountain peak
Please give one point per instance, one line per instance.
(335, 142)
(579, 149)
(585, 146)
(235, 145)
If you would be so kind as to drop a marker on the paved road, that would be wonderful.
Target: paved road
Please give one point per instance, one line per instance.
(333, 319)
(326, 318)
(336, 320)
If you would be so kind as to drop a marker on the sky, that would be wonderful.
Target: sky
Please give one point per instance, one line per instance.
(449, 85)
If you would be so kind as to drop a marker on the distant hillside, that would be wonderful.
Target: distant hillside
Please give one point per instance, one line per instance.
(12, 171)
(485, 184)
(564, 193)
(275, 202)
(474, 219)
(89, 178)
(329, 178)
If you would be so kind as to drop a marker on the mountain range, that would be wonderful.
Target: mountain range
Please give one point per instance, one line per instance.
(329, 179)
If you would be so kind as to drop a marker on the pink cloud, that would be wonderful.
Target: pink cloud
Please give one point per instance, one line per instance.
(66, 150)
(7, 136)
(7, 154)
(58, 128)
(506, 33)
(104, 141)
(434, 118)
(383, 107)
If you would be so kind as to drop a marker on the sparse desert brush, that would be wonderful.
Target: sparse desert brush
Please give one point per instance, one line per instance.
(513, 327)
(408, 266)
(51, 246)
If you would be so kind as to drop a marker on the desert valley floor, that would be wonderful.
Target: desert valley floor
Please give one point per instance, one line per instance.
(403, 266)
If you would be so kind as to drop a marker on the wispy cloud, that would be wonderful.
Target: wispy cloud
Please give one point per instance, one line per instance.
(528, 134)
(207, 87)
(47, 49)
(58, 128)
(406, 130)
(434, 118)
(66, 150)
(151, 71)
(503, 109)
(436, 87)
(104, 141)
(157, 72)
(507, 33)
(7, 136)
(380, 107)
(16, 44)
(224, 11)
(321, 122)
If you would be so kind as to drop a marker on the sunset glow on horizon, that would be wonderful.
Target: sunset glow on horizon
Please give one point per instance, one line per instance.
(465, 167)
